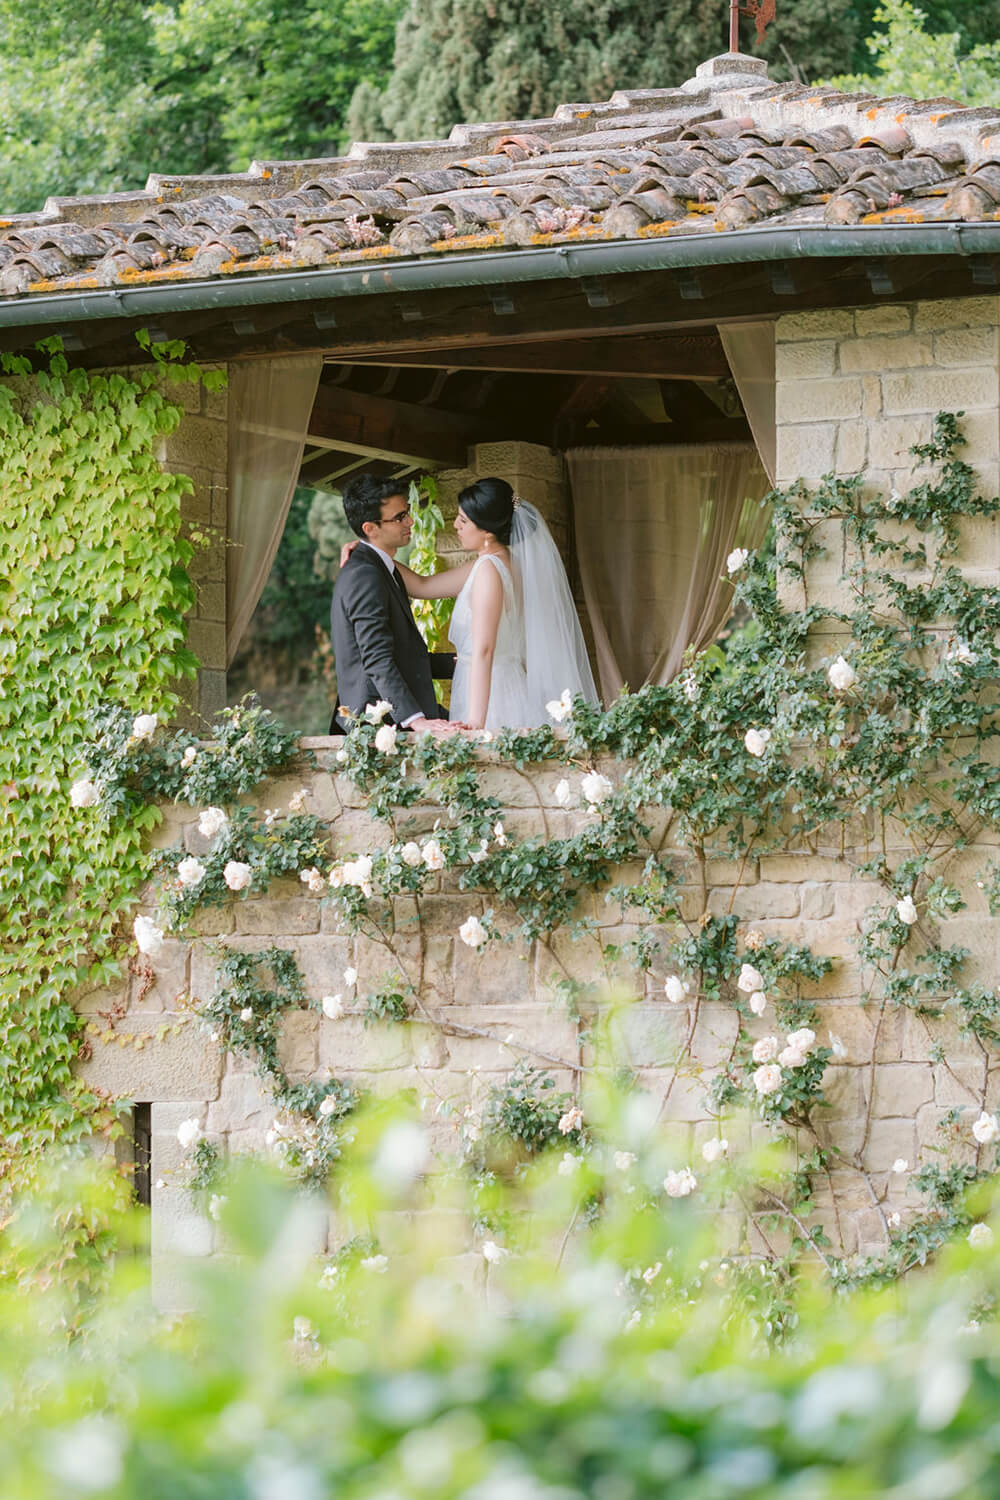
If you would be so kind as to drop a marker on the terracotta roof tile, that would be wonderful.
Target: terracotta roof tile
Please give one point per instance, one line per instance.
(727, 150)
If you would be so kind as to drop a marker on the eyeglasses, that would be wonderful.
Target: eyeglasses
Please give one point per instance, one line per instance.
(404, 515)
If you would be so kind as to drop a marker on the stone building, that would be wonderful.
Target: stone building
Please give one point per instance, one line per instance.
(728, 266)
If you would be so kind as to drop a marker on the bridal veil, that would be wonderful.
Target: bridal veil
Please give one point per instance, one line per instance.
(555, 654)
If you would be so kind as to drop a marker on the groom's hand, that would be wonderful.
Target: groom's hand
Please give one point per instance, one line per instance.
(439, 728)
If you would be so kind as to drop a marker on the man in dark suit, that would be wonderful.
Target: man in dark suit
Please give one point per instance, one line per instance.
(378, 650)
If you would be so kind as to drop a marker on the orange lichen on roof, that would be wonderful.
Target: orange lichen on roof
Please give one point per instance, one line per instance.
(694, 207)
(649, 230)
(870, 114)
(583, 114)
(267, 173)
(133, 276)
(470, 242)
(74, 284)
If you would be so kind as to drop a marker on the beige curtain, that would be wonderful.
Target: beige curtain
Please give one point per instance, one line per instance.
(749, 349)
(654, 527)
(270, 402)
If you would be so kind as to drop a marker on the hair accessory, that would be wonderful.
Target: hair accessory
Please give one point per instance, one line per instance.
(517, 501)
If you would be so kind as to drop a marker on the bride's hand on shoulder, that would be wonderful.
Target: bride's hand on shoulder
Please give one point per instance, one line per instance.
(346, 550)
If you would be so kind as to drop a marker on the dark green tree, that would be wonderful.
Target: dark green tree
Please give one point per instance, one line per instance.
(461, 60)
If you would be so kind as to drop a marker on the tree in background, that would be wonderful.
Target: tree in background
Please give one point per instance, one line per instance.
(910, 60)
(515, 59)
(93, 98)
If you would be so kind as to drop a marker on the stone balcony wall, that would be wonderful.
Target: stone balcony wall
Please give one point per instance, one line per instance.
(481, 1012)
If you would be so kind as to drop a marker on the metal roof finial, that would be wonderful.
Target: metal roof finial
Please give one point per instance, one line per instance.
(763, 13)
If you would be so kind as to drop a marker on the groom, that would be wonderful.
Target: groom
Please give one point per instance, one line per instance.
(378, 650)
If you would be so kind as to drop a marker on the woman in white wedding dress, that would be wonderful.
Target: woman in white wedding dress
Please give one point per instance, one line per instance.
(515, 630)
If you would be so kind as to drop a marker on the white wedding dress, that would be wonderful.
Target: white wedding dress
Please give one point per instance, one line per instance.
(508, 707)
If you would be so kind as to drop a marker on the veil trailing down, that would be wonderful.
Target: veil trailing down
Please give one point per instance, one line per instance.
(555, 656)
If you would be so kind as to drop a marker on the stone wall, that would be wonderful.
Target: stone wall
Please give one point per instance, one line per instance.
(199, 448)
(856, 388)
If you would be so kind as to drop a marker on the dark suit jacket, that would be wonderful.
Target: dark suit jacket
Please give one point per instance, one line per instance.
(378, 650)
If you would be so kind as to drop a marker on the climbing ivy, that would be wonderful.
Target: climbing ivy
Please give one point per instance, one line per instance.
(93, 593)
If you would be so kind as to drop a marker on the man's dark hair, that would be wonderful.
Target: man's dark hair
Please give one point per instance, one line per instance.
(364, 497)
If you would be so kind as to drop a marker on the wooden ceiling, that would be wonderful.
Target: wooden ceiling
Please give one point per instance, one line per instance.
(402, 414)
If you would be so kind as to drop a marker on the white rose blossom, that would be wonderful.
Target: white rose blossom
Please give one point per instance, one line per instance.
(297, 802)
(341, 757)
(986, 1129)
(190, 871)
(562, 794)
(767, 1080)
(385, 739)
(313, 880)
(755, 741)
(980, 1236)
(83, 793)
(493, 1253)
(841, 675)
(410, 855)
(376, 712)
(211, 821)
(237, 875)
(906, 911)
(328, 1107)
(571, 1120)
(595, 788)
(758, 1002)
(766, 1050)
(350, 977)
(680, 1184)
(689, 685)
(714, 1149)
(675, 989)
(750, 979)
(148, 936)
(803, 1040)
(472, 932)
(900, 1165)
(623, 1160)
(560, 708)
(961, 652)
(144, 726)
(246, 1014)
(332, 1006)
(791, 1057)
(499, 834)
(736, 560)
(189, 1133)
(189, 757)
(650, 1274)
(568, 1165)
(433, 855)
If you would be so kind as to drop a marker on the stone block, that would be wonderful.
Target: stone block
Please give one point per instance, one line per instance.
(297, 1044)
(266, 917)
(956, 312)
(162, 980)
(875, 354)
(834, 324)
(547, 1037)
(890, 1140)
(244, 1103)
(805, 452)
(869, 320)
(751, 902)
(802, 867)
(901, 1089)
(816, 899)
(322, 961)
(805, 360)
(856, 1026)
(852, 447)
(212, 600)
(207, 639)
(966, 346)
(502, 972)
(201, 441)
(347, 1045)
(181, 1064)
(939, 390)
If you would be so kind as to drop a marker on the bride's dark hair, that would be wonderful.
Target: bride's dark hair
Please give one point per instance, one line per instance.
(489, 504)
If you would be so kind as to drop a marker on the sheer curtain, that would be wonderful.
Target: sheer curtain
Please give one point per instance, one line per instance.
(270, 402)
(654, 527)
(749, 349)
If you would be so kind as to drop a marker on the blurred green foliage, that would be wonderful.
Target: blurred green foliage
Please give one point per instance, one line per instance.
(620, 1352)
(910, 55)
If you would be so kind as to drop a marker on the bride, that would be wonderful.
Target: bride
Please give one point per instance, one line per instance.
(514, 627)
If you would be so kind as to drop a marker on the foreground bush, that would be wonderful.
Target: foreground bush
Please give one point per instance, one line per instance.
(594, 1344)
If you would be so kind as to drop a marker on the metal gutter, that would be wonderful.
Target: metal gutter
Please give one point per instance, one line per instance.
(505, 267)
